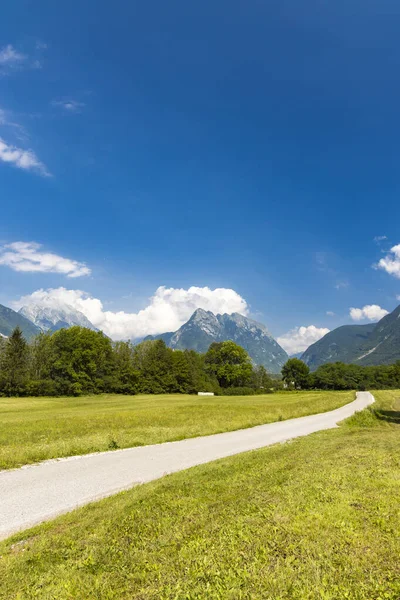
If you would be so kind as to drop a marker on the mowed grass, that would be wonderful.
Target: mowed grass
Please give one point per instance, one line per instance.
(317, 518)
(35, 429)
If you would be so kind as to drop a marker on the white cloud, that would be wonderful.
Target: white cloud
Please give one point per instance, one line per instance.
(27, 257)
(300, 338)
(371, 312)
(22, 159)
(380, 238)
(167, 310)
(330, 313)
(9, 57)
(398, 297)
(71, 106)
(391, 262)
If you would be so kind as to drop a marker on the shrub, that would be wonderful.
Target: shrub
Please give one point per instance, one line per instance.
(243, 391)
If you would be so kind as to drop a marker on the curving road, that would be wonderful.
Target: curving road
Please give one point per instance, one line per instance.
(37, 493)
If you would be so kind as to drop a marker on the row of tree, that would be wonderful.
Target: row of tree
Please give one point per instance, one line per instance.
(340, 376)
(79, 361)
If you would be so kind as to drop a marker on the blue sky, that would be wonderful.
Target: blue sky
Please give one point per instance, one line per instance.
(249, 146)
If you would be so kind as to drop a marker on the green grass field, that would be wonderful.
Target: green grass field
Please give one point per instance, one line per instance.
(35, 429)
(317, 518)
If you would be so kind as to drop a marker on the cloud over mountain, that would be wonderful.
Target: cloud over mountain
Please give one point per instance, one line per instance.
(300, 338)
(370, 312)
(168, 308)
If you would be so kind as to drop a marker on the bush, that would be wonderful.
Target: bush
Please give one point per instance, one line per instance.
(42, 387)
(243, 391)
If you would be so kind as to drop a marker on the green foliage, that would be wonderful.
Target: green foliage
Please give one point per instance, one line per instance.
(229, 363)
(296, 373)
(82, 358)
(77, 361)
(14, 365)
(340, 376)
(243, 391)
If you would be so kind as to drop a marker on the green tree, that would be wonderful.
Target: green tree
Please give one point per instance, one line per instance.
(42, 356)
(296, 373)
(15, 364)
(153, 359)
(82, 360)
(260, 379)
(125, 377)
(230, 364)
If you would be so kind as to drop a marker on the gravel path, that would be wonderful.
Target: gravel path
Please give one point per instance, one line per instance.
(37, 493)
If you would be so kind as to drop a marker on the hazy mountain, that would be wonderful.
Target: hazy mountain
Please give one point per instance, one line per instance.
(204, 327)
(52, 319)
(383, 346)
(343, 344)
(9, 320)
(372, 344)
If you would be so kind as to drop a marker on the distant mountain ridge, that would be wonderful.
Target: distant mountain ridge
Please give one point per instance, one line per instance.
(203, 328)
(371, 344)
(10, 319)
(53, 319)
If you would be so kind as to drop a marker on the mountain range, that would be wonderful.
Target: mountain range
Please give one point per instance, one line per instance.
(372, 344)
(204, 327)
(53, 319)
(9, 320)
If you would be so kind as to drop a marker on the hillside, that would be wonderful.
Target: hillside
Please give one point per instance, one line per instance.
(372, 344)
(383, 345)
(343, 344)
(9, 320)
(204, 327)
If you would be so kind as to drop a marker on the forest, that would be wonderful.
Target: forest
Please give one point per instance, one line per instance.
(76, 361)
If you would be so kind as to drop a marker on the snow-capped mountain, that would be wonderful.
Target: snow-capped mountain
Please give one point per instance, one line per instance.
(9, 320)
(204, 327)
(52, 319)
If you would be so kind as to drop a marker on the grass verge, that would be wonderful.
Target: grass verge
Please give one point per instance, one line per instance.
(35, 429)
(314, 519)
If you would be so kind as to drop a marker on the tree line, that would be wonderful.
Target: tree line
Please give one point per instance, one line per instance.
(78, 361)
(341, 376)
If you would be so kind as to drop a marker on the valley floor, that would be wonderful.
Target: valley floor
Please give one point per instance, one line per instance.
(316, 518)
(36, 429)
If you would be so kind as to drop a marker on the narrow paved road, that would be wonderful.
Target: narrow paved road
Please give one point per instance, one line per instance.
(37, 493)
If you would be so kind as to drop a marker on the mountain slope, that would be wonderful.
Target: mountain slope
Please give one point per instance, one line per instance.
(204, 328)
(9, 320)
(372, 344)
(383, 346)
(343, 344)
(52, 319)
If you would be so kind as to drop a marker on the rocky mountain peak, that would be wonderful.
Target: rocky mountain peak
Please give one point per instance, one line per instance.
(50, 318)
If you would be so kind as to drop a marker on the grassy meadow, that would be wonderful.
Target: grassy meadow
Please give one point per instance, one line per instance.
(35, 429)
(317, 518)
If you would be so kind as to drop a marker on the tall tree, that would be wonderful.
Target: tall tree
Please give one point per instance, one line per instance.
(230, 364)
(296, 373)
(125, 377)
(14, 364)
(82, 360)
(154, 361)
